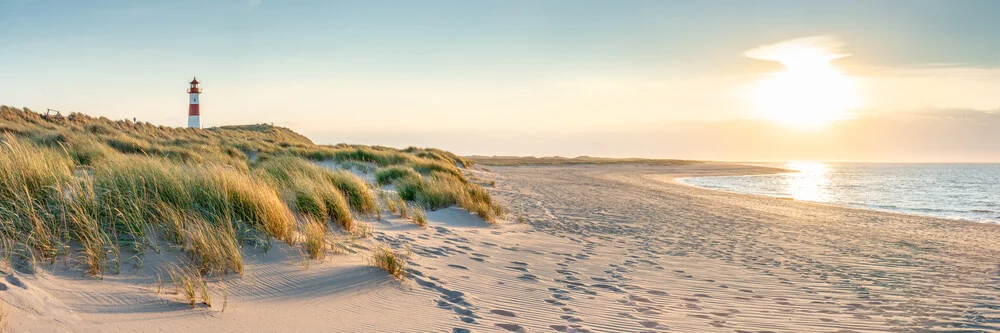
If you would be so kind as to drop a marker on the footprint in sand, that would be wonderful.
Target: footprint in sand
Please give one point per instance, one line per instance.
(627, 315)
(504, 313)
(458, 266)
(606, 286)
(529, 277)
(572, 319)
(555, 302)
(16, 282)
(511, 327)
(639, 299)
(478, 259)
(563, 297)
(464, 312)
(650, 324)
(3, 287)
(460, 330)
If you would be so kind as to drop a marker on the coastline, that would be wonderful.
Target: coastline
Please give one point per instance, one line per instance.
(682, 181)
(604, 248)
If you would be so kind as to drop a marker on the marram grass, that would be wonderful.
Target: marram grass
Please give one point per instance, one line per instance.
(105, 192)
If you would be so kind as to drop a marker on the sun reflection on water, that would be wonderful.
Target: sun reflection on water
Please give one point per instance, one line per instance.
(810, 183)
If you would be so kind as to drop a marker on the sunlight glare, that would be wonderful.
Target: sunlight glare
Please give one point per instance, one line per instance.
(810, 92)
(810, 183)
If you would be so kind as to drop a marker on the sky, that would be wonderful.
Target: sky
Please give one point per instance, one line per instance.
(658, 79)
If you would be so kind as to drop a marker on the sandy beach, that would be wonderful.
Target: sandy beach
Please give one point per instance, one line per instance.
(618, 248)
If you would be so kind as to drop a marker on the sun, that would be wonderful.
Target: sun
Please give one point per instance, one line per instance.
(810, 92)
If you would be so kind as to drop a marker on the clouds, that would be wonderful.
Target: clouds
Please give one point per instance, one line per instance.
(815, 49)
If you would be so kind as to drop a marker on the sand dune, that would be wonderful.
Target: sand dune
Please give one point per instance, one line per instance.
(605, 249)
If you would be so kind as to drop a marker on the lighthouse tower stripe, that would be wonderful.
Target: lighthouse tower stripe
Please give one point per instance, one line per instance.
(193, 109)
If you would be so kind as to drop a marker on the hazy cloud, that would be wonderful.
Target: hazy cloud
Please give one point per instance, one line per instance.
(818, 48)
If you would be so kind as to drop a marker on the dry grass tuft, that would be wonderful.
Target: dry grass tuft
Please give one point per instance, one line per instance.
(189, 283)
(361, 230)
(382, 256)
(419, 216)
(315, 241)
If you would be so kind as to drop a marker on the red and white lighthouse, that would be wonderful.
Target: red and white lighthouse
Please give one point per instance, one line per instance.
(194, 113)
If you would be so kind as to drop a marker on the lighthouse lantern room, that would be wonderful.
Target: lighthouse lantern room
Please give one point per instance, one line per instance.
(194, 113)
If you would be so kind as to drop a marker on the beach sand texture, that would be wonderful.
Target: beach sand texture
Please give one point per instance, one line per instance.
(613, 248)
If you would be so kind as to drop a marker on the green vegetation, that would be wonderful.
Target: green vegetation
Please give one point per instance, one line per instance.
(107, 191)
(440, 189)
(557, 160)
(387, 175)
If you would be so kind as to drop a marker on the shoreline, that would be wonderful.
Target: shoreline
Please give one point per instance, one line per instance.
(681, 181)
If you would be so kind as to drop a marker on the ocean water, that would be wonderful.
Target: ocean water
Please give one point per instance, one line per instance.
(955, 191)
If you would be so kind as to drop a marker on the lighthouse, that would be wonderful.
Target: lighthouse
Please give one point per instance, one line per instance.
(194, 113)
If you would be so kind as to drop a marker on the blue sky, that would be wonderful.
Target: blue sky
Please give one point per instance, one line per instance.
(452, 60)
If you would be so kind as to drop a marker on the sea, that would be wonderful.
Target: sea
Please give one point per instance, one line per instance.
(968, 192)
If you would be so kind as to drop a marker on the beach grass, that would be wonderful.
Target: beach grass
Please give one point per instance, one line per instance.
(389, 174)
(106, 192)
(190, 284)
(419, 216)
(384, 257)
(315, 243)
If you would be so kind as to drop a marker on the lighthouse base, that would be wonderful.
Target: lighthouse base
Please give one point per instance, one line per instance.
(194, 122)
